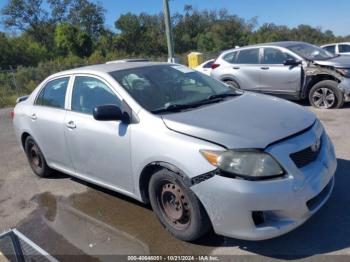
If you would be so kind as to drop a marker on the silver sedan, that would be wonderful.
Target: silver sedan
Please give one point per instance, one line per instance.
(204, 155)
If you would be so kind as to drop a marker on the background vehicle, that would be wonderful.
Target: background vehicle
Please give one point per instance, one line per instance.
(293, 70)
(169, 136)
(338, 48)
(205, 67)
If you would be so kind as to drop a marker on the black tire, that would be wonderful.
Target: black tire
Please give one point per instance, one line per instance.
(323, 89)
(232, 83)
(36, 158)
(176, 206)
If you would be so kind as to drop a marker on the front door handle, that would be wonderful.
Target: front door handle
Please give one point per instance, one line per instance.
(33, 116)
(265, 68)
(71, 125)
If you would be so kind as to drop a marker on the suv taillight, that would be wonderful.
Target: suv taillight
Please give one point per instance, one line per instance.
(213, 66)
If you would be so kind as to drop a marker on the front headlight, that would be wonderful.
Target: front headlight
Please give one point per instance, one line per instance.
(344, 72)
(250, 164)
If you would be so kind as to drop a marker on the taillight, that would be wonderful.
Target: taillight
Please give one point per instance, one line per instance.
(213, 66)
(12, 114)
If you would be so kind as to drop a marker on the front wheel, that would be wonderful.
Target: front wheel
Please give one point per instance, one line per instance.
(326, 95)
(176, 206)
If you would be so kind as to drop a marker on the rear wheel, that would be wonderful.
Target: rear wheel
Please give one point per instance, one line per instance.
(36, 158)
(232, 83)
(326, 95)
(176, 206)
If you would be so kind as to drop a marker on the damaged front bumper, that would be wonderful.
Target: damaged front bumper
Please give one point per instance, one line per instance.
(344, 86)
(258, 210)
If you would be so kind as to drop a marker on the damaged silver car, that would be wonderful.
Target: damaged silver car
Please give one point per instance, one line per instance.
(292, 70)
(204, 155)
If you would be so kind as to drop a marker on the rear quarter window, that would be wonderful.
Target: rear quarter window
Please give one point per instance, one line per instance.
(230, 57)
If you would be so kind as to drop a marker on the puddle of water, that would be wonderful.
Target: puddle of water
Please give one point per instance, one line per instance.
(98, 223)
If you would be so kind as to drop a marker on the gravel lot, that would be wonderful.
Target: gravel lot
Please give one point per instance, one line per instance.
(67, 216)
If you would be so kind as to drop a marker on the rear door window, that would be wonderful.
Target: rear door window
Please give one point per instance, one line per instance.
(54, 93)
(344, 48)
(249, 56)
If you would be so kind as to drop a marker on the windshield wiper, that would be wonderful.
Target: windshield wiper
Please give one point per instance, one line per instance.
(224, 95)
(172, 108)
(209, 100)
(180, 107)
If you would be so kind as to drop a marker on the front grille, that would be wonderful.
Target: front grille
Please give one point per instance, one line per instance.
(305, 156)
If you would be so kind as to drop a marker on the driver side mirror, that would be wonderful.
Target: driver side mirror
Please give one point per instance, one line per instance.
(292, 62)
(110, 113)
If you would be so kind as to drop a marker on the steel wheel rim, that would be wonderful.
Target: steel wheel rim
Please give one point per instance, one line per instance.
(323, 98)
(35, 157)
(174, 205)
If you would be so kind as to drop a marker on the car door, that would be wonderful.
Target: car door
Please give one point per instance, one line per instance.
(100, 151)
(246, 68)
(276, 77)
(47, 122)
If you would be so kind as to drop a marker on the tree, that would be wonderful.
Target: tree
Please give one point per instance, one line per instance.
(206, 42)
(6, 51)
(89, 17)
(71, 40)
(140, 34)
(59, 10)
(27, 15)
(270, 33)
(33, 17)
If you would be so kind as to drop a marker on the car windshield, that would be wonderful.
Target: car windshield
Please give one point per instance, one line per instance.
(311, 52)
(162, 88)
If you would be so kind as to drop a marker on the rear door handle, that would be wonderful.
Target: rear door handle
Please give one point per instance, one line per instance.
(265, 68)
(33, 116)
(236, 67)
(71, 125)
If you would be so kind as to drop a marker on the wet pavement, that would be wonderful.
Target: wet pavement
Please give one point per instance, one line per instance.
(68, 217)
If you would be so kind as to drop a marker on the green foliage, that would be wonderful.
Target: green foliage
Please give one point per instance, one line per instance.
(88, 16)
(55, 35)
(32, 17)
(70, 40)
(140, 34)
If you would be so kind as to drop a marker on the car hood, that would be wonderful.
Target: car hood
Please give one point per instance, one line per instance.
(247, 121)
(339, 61)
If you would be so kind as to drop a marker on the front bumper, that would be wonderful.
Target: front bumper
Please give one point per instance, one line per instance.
(285, 203)
(344, 85)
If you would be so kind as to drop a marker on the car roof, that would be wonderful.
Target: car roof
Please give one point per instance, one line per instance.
(128, 60)
(285, 44)
(340, 43)
(110, 67)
